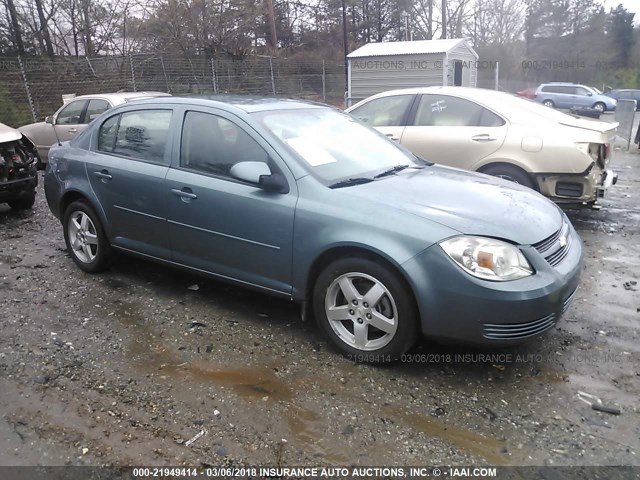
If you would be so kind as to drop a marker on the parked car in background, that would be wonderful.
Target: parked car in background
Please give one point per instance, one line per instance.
(626, 94)
(18, 175)
(74, 115)
(572, 95)
(528, 92)
(563, 157)
(302, 201)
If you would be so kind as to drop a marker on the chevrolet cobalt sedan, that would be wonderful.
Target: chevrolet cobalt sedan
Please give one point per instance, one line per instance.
(301, 201)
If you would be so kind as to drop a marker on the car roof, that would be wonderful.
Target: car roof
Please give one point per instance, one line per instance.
(119, 97)
(247, 103)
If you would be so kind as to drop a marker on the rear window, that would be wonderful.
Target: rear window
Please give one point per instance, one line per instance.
(140, 134)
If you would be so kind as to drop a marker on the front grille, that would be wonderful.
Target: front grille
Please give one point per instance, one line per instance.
(515, 331)
(569, 189)
(555, 247)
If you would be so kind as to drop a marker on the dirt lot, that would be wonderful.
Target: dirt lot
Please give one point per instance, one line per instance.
(125, 367)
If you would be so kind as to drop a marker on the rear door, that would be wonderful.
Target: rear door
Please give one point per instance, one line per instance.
(453, 131)
(388, 115)
(217, 223)
(127, 171)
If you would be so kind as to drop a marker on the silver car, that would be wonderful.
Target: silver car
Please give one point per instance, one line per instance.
(73, 117)
(301, 201)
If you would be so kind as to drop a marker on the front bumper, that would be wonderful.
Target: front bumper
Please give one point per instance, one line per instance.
(13, 189)
(577, 189)
(456, 306)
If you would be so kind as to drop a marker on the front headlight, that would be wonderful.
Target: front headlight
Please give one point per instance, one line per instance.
(487, 258)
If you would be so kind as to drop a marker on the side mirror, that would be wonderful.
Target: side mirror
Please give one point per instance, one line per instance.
(49, 119)
(589, 94)
(259, 174)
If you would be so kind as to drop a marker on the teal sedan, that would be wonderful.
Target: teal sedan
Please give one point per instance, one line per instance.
(301, 201)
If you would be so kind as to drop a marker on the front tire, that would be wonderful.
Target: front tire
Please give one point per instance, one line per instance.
(85, 238)
(23, 203)
(367, 310)
(600, 107)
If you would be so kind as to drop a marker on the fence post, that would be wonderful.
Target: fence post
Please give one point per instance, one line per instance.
(133, 74)
(28, 90)
(273, 81)
(164, 72)
(324, 84)
(214, 81)
(497, 76)
(91, 67)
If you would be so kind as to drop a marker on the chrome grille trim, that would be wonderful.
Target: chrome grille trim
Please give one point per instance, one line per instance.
(515, 331)
(551, 248)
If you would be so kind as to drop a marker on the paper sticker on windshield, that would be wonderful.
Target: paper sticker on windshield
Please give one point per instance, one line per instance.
(312, 153)
(439, 106)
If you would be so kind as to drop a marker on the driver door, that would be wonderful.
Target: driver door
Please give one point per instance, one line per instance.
(387, 114)
(219, 224)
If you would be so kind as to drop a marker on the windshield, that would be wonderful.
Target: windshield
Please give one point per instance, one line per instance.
(333, 145)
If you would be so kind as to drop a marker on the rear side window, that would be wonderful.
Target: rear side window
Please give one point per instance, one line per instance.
(141, 135)
(383, 112)
(446, 111)
(95, 108)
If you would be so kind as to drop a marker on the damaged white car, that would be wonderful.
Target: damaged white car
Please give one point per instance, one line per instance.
(18, 174)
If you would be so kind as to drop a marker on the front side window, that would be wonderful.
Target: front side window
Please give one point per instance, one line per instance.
(383, 112)
(582, 91)
(212, 144)
(72, 113)
(141, 134)
(447, 111)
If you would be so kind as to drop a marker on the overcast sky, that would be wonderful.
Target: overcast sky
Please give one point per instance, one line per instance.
(631, 5)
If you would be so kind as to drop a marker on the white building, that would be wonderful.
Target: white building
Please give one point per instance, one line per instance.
(378, 67)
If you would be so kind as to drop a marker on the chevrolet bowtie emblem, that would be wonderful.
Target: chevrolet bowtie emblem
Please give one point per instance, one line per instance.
(563, 241)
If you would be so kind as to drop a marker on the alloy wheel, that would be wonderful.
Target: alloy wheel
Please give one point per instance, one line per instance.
(83, 236)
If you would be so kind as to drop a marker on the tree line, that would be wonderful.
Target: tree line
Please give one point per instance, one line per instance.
(568, 38)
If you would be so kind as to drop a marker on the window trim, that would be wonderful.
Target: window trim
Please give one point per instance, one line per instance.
(86, 121)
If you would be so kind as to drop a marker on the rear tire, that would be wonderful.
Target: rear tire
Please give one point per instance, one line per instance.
(85, 238)
(23, 203)
(549, 103)
(374, 318)
(511, 173)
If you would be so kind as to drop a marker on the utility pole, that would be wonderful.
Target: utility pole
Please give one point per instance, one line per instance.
(345, 43)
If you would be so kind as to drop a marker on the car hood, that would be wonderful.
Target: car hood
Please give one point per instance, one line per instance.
(8, 134)
(468, 202)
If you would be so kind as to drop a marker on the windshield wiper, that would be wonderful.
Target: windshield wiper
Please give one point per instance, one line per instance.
(351, 181)
(395, 169)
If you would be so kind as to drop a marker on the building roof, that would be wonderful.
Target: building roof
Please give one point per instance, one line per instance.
(379, 49)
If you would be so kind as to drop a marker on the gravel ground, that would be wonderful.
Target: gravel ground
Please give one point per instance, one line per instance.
(126, 367)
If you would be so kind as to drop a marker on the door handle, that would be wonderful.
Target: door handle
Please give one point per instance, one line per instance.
(484, 137)
(104, 175)
(391, 136)
(185, 194)
(73, 130)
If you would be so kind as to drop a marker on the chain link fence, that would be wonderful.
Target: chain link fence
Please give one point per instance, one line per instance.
(31, 88)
